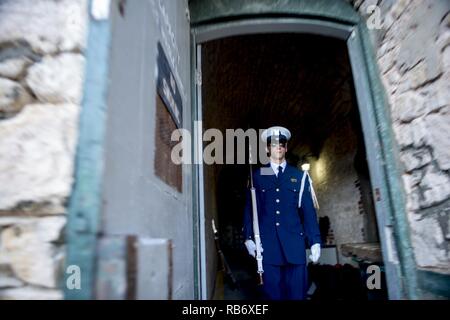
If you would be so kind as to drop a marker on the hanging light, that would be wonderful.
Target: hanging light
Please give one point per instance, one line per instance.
(305, 166)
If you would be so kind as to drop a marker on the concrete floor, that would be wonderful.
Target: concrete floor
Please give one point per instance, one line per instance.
(333, 286)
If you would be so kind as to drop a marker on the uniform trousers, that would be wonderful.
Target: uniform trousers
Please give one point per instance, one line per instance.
(285, 281)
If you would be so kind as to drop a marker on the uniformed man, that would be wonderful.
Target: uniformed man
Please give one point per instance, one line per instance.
(283, 222)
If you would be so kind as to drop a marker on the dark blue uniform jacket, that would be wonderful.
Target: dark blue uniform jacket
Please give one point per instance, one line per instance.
(283, 225)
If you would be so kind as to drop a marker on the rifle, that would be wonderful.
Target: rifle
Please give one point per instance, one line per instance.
(224, 263)
(256, 235)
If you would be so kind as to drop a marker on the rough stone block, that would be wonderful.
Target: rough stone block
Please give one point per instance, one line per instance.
(445, 58)
(423, 58)
(13, 97)
(30, 293)
(423, 74)
(408, 106)
(390, 82)
(435, 186)
(48, 26)
(364, 6)
(37, 149)
(7, 278)
(438, 132)
(411, 134)
(13, 68)
(9, 282)
(411, 182)
(427, 238)
(33, 257)
(444, 40)
(399, 7)
(387, 61)
(10, 221)
(415, 158)
(57, 79)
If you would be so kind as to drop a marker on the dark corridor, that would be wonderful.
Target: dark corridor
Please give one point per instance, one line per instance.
(304, 83)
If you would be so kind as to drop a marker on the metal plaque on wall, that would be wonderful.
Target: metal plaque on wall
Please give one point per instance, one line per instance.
(167, 87)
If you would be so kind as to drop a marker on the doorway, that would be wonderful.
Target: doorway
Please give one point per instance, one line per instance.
(303, 82)
(359, 126)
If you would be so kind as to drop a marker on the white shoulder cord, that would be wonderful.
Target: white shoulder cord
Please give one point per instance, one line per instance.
(302, 188)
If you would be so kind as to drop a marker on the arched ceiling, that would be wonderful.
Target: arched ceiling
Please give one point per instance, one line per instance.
(302, 82)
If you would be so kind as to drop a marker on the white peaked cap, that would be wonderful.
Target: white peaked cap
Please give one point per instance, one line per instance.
(275, 131)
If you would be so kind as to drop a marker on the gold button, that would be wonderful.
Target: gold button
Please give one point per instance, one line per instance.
(277, 224)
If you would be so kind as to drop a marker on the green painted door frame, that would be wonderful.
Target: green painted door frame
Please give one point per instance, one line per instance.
(85, 203)
(334, 18)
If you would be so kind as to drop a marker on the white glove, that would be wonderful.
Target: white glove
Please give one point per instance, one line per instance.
(315, 252)
(251, 247)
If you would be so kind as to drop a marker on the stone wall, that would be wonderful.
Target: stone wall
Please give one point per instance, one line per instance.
(413, 52)
(335, 178)
(41, 76)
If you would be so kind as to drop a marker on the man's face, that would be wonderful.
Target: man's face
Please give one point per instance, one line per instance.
(278, 150)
